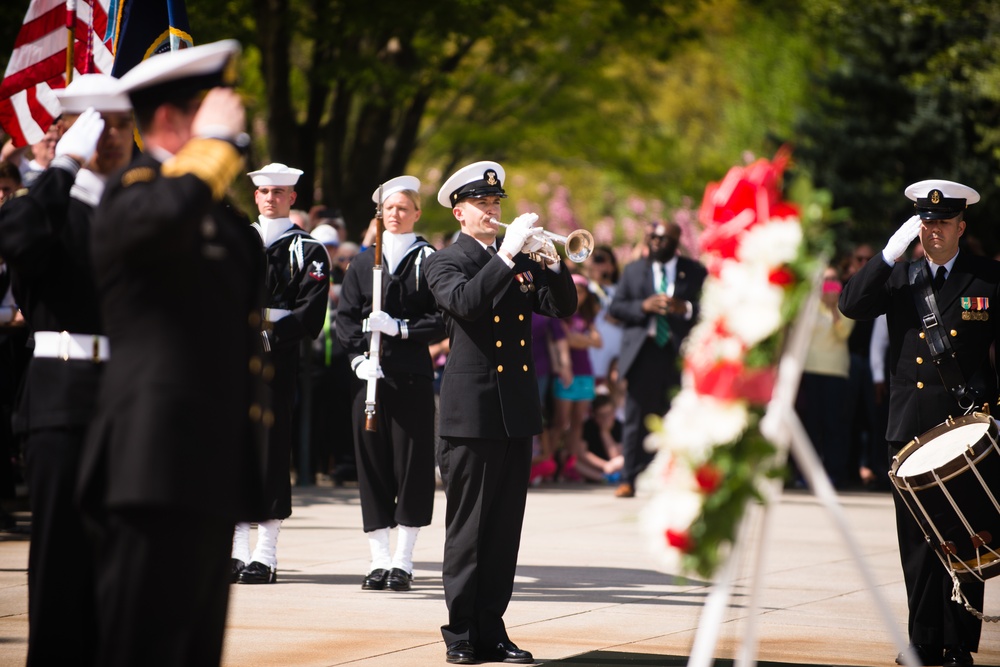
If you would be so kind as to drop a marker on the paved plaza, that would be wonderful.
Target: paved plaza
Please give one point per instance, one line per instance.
(587, 591)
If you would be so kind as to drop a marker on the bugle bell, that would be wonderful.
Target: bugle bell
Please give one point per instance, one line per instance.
(579, 243)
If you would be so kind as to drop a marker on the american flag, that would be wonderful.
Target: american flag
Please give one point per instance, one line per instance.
(38, 63)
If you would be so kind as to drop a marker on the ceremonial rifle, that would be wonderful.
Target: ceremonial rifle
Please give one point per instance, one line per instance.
(375, 348)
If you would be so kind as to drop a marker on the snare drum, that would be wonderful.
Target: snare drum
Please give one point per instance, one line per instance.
(949, 477)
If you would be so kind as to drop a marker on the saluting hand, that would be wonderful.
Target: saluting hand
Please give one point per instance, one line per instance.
(220, 116)
(80, 140)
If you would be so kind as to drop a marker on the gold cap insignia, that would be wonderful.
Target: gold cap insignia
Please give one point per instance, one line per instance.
(491, 177)
(935, 196)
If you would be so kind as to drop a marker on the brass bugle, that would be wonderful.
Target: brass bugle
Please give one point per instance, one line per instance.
(579, 243)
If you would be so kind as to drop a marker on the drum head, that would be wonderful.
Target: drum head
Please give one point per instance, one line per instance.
(947, 446)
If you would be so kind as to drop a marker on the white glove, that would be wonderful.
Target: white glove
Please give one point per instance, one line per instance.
(901, 240)
(80, 140)
(517, 233)
(384, 322)
(368, 370)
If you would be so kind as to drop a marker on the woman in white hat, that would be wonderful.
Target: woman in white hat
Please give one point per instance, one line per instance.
(396, 460)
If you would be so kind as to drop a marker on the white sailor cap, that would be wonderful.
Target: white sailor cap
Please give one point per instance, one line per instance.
(175, 76)
(398, 184)
(326, 234)
(275, 174)
(479, 179)
(936, 199)
(100, 91)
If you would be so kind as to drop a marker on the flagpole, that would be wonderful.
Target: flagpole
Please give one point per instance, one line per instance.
(70, 30)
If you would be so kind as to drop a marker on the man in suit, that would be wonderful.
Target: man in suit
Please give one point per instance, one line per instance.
(44, 239)
(656, 302)
(489, 407)
(171, 461)
(941, 631)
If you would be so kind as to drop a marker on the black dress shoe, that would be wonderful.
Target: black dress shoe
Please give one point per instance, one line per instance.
(375, 581)
(399, 579)
(236, 566)
(957, 657)
(926, 655)
(258, 573)
(460, 653)
(506, 651)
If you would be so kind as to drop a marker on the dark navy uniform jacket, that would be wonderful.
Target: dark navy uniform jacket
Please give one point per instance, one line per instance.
(488, 388)
(918, 399)
(407, 296)
(179, 275)
(45, 238)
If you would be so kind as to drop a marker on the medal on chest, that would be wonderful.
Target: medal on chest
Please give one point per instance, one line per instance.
(526, 281)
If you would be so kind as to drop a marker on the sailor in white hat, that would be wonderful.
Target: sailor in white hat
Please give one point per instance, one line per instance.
(296, 286)
(171, 463)
(44, 239)
(489, 406)
(396, 461)
(941, 336)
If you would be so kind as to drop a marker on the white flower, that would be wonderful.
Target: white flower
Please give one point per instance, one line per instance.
(771, 244)
(745, 300)
(672, 509)
(696, 423)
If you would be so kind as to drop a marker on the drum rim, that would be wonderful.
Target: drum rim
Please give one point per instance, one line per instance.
(950, 469)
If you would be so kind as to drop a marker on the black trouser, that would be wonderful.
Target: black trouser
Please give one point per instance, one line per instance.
(933, 618)
(396, 461)
(154, 607)
(61, 624)
(486, 490)
(651, 377)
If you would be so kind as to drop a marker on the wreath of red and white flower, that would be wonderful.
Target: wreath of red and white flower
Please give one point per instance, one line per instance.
(711, 458)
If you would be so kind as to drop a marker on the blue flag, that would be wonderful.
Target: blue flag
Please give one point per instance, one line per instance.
(138, 29)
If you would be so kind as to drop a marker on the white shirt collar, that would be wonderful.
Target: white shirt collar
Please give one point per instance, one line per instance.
(947, 265)
(270, 229)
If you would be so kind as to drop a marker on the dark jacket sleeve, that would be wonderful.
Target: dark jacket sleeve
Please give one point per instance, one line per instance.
(462, 297)
(866, 294)
(311, 298)
(557, 297)
(30, 223)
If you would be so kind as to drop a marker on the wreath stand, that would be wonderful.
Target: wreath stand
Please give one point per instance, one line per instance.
(783, 428)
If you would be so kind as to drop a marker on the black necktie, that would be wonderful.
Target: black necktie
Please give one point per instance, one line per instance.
(939, 277)
(490, 249)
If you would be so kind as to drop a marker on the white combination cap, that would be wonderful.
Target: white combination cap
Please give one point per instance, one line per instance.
(181, 74)
(398, 184)
(479, 179)
(100, 91)
(275, 174)
(936, 199)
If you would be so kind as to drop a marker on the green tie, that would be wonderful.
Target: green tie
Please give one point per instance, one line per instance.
(662, 326)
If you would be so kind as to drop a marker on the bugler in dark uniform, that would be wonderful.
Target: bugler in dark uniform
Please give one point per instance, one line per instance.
(44, 236)
(489, 407)
(170, 463)
(396, 461)
(919, 398)
(295, 285)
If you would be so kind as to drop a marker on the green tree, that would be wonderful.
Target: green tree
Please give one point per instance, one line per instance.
(906, 97)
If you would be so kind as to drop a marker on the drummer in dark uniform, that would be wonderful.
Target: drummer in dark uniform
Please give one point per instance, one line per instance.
(44, 237)
(941, 631)
(489, 407)
(396, 460)
(295, 284)
(171, 461)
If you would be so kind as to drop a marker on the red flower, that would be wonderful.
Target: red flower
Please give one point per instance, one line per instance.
(708, 478)
(781, 276)
(679, 539)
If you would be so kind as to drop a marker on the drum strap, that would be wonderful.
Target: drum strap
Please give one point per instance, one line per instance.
(942, 354)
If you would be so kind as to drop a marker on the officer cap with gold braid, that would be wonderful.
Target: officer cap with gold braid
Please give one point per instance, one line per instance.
(479, 179)
(178, 76)
(937, 199)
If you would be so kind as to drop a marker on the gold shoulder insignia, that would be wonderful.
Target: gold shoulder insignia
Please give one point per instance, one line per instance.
(138, 175)
(20, 192)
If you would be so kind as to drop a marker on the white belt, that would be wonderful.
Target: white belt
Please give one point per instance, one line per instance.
(275, 314)
(65, 345)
